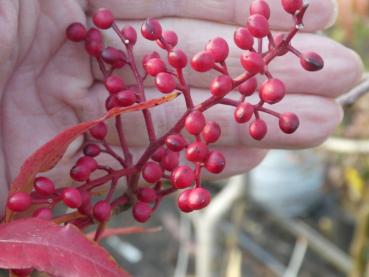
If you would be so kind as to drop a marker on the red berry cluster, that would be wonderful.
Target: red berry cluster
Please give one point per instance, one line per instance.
(170, 162)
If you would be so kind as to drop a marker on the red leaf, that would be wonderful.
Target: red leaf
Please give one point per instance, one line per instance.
(57, 250)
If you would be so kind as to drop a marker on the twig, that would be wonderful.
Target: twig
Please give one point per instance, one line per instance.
(354, 94)
(347, 146)
(183, 253)
(297, 258)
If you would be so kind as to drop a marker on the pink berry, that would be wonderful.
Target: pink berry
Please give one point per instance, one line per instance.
(260, 7)
(288, 123)
(221, 85)
(170, 37)
(146, 195)
(152, 172)
(154, 66)
(114, 57)
(91, 150)
(94, 47)
(219, 48)
(165, 82)
(111, 102)
(248, 87)
(292, 6)
(175, 142)
(43, 213)
(182, 202)
(114, 84)
(215, 162)
(272, 91)
(94, 34)
(195, 122)
(22, 272)
(199, 198)
(148, 57)
(311, 61)
(88, 162)
(258, 129)
(19, 202)
(243, 39)
(196, 152)
(86, 206)
(76, 32)
(141, 211)
(252, 62)
(102, 211)
(151, 29)
(243, 112)
(80, 173)
(258, 25)
(72, 197)
(44, 186)
(158, 154)
(99, 131)
(211, 132)
(170, 160)
(177, 58)
(202, 61)
(280, 43)
(126, 97)
(103, 18)
(182, 177)
(129, 34)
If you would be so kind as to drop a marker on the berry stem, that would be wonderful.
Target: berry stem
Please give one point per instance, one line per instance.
(123, 142)
(112, 153)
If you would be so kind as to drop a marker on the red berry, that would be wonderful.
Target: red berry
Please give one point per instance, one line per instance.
(88, 162)
(114, 57)
(199, 198)
(151, 29)
(147, 195)
(111, 102)
(182, 177)
(154, 66)
(248, 87)
(196, 152)
(76, 32)
(215, 162)
(258, 129)
(170, 161)
(258, 25)
(182, 202)
(91, 150)
(292, 6)
(86, 206)
(177, 58)
(114, 84)
(165, 82)
(202, 61)
(218, 47)
(243, 112)
(260, 7)
(221, 85)
(272, 91)
(243, 39)
(72, 197)
(175, 142)
(44, 186)
(141, 211)
(288, 123)
(129, 34)
(252, 62)
(211, 132)
(148, 57)
(103, 18)
(158, 154)
(94, 34)
(99, 131)
(102, 211)
(94, 47)
(80, 173)
(19, 202)
(126, 97)
(170, 37)
(43, 213)
(311, 61)
(195, 122)
(152, 172)
(22, 272)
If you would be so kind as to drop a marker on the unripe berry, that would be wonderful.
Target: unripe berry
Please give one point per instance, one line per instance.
(248, 87)
(170, 160)
(311, 61)
(260, 7)
(170, 38)
(177, 58)
(76, 32)
(44, 186)
(165, 82)
(292, 6)
(199, 198)
(22, 272)
(221, 85)
(258, 25)
(126, 97)
(114, 57)
(202, 61)
(72, 197)
(111, 102)
(43, 213)
(288, 123)
(91, 150)
(175, 142)
(129, 34)
(102, 211)
(88, 162)
(243, 112)
(114, 84)
(152, 172)
(80, 173)
(196, 152)
(99, 131)
(182, 177)
(252, 62)
(272, 91)
(243, 39)
(219, 48)
(182, 201)
(158, 154)
(154, 66)
(195, 122)
(148, 57)
(19, 202)
(151, 29)
(147, 195)
(141, 211)
(103, 18)
(211, 132)
(258, 129)
(215, 162)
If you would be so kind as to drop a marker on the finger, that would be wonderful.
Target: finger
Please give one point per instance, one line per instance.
(320, 14)
(339, 61)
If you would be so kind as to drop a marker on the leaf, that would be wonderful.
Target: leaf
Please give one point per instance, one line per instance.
(57, 250)
(48, 155)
